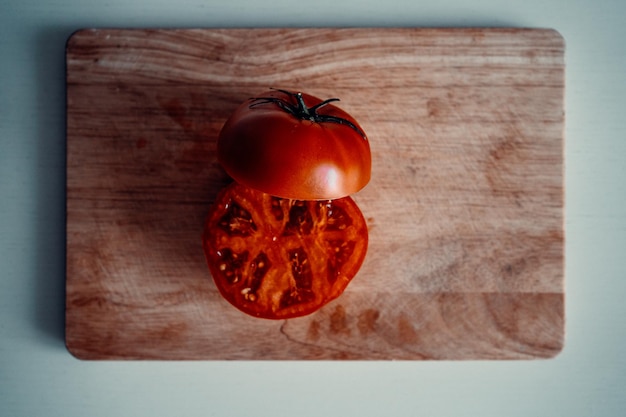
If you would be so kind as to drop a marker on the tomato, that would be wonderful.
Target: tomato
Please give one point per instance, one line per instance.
(285, 238)
(296, 146)
(279, 258)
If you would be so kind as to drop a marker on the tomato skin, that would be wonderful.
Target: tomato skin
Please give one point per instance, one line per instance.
(265, 147)
(278, 258)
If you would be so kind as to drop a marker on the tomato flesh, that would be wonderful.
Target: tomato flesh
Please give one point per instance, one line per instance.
(279, 258)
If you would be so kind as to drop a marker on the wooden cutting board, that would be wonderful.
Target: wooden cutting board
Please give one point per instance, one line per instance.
(465, 207)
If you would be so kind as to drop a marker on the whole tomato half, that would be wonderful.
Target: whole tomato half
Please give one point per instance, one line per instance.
(279, 258)
(294, 145)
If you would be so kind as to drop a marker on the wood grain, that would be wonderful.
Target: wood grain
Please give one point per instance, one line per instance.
(465, 207)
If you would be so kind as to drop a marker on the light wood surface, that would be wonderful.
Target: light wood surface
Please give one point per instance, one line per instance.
(465, 206)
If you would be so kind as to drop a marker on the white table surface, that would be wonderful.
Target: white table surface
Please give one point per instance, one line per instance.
(38, 377)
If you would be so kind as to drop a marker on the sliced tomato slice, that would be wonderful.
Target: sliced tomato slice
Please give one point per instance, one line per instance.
(278, 258)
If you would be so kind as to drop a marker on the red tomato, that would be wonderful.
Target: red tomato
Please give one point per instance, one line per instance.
(296, 146)
(279, 258)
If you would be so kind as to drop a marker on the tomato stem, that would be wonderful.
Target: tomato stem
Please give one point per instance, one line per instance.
(303, 109)
(303, 112)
